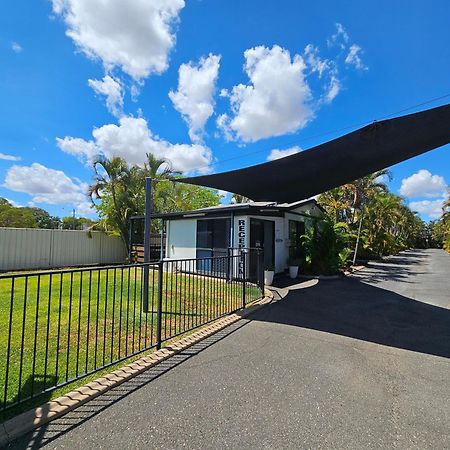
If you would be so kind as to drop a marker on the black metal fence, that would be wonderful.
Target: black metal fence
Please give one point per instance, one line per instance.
(60, 326)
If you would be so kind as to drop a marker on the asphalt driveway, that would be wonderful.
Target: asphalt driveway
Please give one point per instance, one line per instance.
(361, 362)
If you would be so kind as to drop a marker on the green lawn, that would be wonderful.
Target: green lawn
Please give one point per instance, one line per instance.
(65, 325)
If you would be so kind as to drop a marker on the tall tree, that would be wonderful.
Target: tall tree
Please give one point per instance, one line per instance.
(13, 217)
(387, 224)
(118, 192)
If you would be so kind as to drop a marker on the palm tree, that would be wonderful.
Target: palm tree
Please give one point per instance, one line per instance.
(238, 198)
(112, 180)
(159, 168)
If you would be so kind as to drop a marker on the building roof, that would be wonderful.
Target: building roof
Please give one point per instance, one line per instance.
(259, 208)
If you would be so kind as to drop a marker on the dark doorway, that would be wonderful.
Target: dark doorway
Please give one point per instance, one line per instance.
(296, 231)
(262, 235)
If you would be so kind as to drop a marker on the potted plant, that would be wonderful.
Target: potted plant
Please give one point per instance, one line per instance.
(293, 264)
(269, 272)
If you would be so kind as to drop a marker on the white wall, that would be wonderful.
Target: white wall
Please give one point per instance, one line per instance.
(33, 248)
(181, 239)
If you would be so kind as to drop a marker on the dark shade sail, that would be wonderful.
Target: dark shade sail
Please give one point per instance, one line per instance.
(342, 160)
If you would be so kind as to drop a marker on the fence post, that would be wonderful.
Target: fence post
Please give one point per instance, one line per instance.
(244, 277)
(229, 265)
(260, 269)
(159, 305)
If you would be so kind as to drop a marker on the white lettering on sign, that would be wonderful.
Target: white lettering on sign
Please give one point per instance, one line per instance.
(241, 241)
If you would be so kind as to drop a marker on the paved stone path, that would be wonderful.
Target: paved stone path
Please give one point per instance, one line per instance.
(361, 362)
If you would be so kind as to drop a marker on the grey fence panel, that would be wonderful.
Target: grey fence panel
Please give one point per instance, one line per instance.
(29, 248)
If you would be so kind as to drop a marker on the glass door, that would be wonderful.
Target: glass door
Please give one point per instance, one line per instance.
(262, 235)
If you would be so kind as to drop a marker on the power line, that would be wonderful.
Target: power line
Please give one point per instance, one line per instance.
(326, 133)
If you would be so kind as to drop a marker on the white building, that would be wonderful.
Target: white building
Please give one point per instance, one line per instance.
(212, 231)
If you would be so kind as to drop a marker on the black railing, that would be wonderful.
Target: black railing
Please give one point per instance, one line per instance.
(60, 326)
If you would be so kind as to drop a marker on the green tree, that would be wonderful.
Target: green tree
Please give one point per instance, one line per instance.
(118, 192)
(44, 219)
(15, 217)
(77, 223)
(387, 224)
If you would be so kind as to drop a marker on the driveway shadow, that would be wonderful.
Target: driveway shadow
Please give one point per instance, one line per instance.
(352, 308)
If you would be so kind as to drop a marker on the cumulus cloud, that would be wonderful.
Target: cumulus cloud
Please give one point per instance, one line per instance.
(431, 208)
(16, 47)
(275, 102)
(131, 139)
(6, 157)
(46, 185)
(112, 90)
(134, 35)
(194, 97)
(353, 57)
(277, 154)
(85, 151)
(423, 184)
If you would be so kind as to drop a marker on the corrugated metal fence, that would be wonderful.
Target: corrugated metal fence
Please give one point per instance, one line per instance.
(32, 248)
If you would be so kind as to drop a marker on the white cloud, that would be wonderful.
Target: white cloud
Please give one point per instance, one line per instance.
(431, 208)
(277, 154)
(131, 140)
(6, 157)
(333, 89)
(46, 185)
(135, 35)
(314, 61)
(84, 209)
(353, 57)
(423, 184)
(112, 90)
(277, 100)
(340, 38)
(16, 47)
(194, 96)
(85, 151)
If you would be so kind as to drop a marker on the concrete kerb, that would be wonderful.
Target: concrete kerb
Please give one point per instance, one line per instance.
(34, 418)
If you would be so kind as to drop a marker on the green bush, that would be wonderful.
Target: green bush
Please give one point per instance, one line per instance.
(326, 248)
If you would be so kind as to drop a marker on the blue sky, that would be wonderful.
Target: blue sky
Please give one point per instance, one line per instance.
(212, 85)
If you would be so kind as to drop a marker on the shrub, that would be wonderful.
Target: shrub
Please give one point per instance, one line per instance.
(326, 248)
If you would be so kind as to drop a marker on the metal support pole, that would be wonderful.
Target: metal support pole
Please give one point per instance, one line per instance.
(159, 305)
(161, 252)
(244, 277)
(130, 242)
(147, 231)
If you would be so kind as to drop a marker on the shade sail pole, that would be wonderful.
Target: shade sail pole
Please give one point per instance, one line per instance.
(147, 231)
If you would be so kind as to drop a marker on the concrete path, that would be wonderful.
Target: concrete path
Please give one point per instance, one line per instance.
(361, 362)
